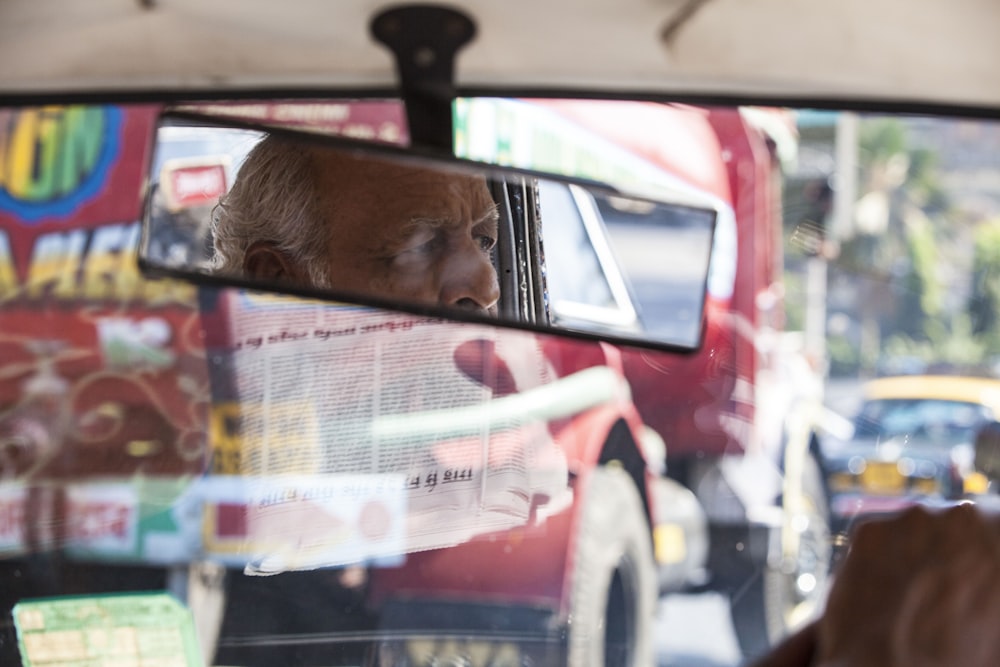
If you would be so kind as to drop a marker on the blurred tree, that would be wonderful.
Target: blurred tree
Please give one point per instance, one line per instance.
(950, 346)
(892, 252)
(984, 301)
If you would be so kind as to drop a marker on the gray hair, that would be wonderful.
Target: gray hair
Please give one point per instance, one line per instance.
(273, 199)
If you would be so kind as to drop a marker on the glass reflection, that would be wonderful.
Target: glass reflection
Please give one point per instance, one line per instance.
(316, 483)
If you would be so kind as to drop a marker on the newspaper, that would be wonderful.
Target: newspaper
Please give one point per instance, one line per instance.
(366, 435)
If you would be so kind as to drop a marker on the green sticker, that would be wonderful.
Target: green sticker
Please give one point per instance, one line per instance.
(130, 630)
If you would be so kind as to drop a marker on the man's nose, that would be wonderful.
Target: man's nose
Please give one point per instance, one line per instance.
(469, 281)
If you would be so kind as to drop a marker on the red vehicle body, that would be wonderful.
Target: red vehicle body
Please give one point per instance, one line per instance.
(705, 403)
(738, 417)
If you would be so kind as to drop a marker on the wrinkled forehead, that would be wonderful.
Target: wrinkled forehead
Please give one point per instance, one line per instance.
(400, 189)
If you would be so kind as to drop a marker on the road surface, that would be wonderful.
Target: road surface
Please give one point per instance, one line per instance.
(695, 631)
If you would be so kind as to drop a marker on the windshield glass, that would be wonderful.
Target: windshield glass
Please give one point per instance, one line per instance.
(203, 474)
(944, 421)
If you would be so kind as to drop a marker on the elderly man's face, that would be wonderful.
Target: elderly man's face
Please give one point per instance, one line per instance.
(397, 231)
(409, 233)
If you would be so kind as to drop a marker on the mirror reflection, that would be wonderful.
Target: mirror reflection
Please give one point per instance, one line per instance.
(285, 212)
(326, 218)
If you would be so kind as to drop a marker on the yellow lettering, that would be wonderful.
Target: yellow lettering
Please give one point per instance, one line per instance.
(33, 150)
(112, 271)
(4, 132)
(226, 443)
(130, 281)
(8, 281)
(54, 264)
(104, 264)
(107, 272)
(163, 291)
(20, 153)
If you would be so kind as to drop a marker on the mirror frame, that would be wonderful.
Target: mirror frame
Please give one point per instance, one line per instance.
(537, 319)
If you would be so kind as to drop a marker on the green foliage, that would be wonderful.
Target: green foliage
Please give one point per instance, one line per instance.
(984, 301)
(795, 301)
(923, 254)
(902, 261)
(897, 269)
(881, 138)
(924, 182)
(951, 345)
(844, 357)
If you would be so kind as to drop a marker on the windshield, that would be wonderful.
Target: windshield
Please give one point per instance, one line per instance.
(196, 473)
(941, 421)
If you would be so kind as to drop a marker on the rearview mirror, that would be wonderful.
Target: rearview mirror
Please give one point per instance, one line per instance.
(283, 207)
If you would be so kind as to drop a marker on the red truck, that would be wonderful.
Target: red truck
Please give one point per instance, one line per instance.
(739, 417)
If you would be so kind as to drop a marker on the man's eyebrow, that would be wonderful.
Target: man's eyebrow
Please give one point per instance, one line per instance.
(420, 222)
(402, 235)
(417, 222)
(492, 214)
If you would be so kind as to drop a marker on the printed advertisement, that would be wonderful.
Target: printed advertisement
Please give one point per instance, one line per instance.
(104, 393)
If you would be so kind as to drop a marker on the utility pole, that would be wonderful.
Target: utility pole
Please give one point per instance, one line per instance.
(837, 226)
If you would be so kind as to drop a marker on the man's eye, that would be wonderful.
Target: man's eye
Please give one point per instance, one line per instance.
(423, 244)
(486, 242)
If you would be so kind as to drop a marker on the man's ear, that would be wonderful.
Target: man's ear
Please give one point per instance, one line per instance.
(264, 261)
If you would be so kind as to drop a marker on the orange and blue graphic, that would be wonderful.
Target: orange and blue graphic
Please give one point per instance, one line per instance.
(54, 159)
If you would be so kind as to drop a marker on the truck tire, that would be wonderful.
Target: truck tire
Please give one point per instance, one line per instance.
(614, 587)
(778, 599)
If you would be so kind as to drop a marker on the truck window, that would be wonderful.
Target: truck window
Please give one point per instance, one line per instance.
(582, 284)
(662, 255)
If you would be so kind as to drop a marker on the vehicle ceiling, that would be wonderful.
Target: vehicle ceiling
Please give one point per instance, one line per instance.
(924, 51)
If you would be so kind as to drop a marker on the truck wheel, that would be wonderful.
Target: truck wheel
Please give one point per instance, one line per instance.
(614, 587)
(779, 598)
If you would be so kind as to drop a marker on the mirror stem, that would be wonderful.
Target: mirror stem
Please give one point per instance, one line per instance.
(425, 40)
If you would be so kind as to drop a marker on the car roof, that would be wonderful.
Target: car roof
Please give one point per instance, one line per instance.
(924, 51)
(984, 391)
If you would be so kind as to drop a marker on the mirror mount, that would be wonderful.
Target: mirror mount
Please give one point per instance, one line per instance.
(425, 40)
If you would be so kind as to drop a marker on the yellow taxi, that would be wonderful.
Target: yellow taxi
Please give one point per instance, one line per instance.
(913, 442)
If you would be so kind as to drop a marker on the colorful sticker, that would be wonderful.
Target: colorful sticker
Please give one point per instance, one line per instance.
(94, 631)
(54, 159)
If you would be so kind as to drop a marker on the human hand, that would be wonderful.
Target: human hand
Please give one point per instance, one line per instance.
(922, 589)
(797, 650)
